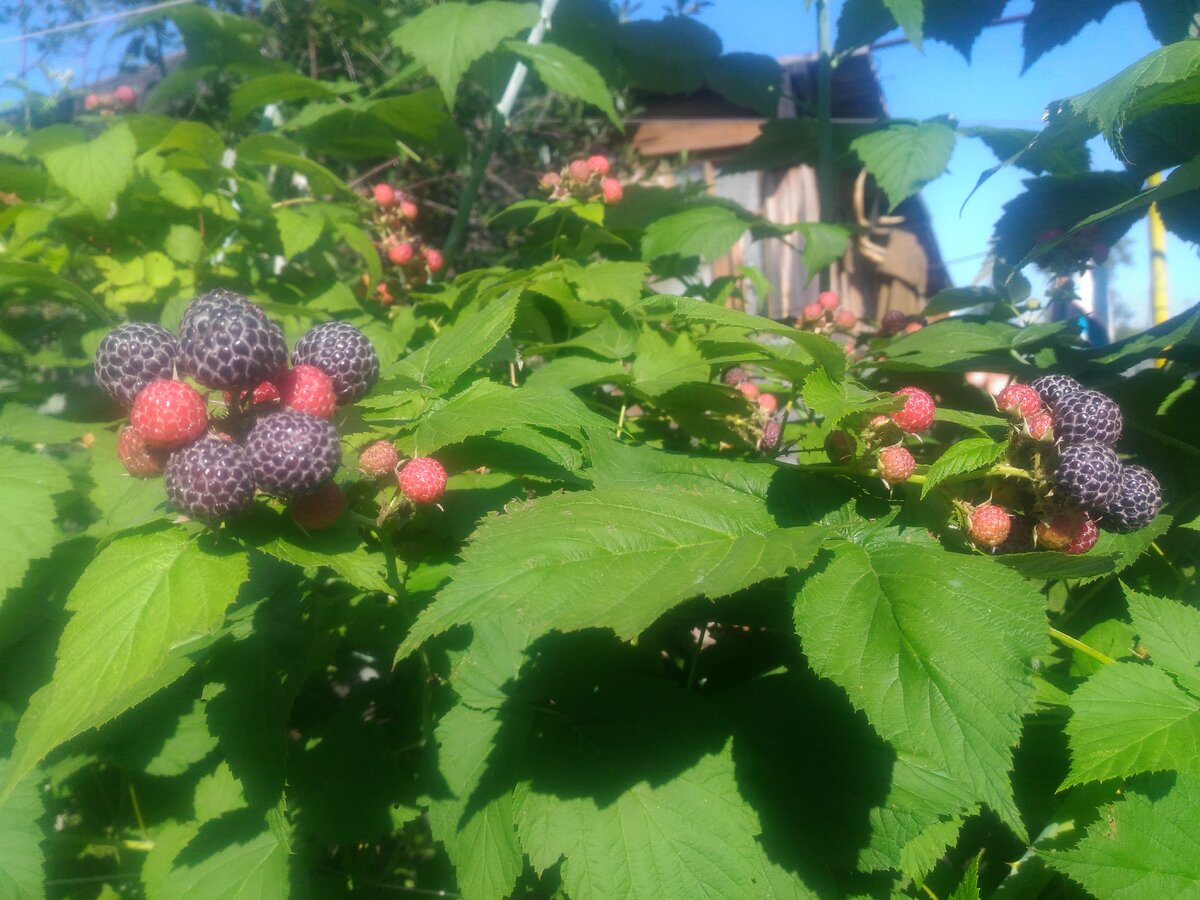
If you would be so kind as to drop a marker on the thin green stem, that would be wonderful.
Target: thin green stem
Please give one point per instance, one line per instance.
(1076, 644)
(470, 191)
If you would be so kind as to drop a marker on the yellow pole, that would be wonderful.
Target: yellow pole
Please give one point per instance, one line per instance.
(1158, 259)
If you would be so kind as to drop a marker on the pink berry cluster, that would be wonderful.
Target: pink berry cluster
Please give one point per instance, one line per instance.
(585, 180)
(421, 479)
(122, 98)
(763, 428)
(895, 322)
(826, 315)
(400, 245)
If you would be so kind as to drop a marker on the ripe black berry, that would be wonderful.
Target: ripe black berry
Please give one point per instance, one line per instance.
(1088, 475)
(1137, 500)
(1087, 417)
(132, 356)
(228, 343)
(1051, 387)
(343, 353)
(209, 479)
(292, 452)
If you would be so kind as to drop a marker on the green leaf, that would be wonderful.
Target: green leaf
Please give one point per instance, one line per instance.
(875, 620)
(1130, 718)
(706, 231)
(967, 455)
(21, 858)
(1141, 846)
(438, 364)
(823, 245)
(954, 299)
(446, 39)
(94, 173)
(1170, 633)
(339, 548)
(749, 80)
(661, 365)
(28, 482)
(139, 609)
(487, 407)
(905, 156)
(1124, 549)
(835, 400)
(274, 150)
(480, 837)
(1011, 143)
(21, 423)
(968, 887)
(22, 274)
(281, 88)
(297, 231)
(614, 559)
(609, 281)
(564, 72)
(910, 16)
(1052, 23)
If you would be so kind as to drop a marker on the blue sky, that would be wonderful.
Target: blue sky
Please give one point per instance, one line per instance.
(989, 90)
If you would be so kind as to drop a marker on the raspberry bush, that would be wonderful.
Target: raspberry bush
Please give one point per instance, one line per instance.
(372, 520)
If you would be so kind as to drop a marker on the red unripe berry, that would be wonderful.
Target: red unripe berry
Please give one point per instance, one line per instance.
(1020, 400)
(828, 300)
(913, 327)
(550, 180)
(423, 480)
(385, 195)
(1040, 425)
(749, 390)
(917, 414)
(91, 101)
(612, 191)
(845, 319)
(169, 414)
(896, 464)
(768, 403)
(1071, 532)
(385, 296)
(433, 259)
(308, 389)
(408, 209)
(400, 254)
(125, 95)
(579, 169)
(812, 311)
(319, 509)
(1098, 252)
(378, 458)
(598, 164)
(138, 459)
(1085, 538)
(990, 525)
(263, 393)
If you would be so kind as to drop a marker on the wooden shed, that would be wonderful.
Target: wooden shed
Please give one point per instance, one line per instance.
(893, 261)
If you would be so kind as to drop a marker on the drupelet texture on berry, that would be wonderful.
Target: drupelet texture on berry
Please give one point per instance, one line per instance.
(771, 432)
(1085, 538)
(735, 376)
(132, 356)
(292, 453)
(917, 414)
(1088, 475)
(1136, 501)
(378, 458)
(989, 525)
(228, 343)
(1051, 387)
(169, 414)
(1020, 400)
(307, 389)
(1058, 531)
(343, 353)
(139, 460)
(896, 464)
(423, 480)
(1040, 425)
(210, 479)
(1087, 417)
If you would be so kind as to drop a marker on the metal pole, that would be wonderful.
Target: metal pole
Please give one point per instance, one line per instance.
(1159, 301)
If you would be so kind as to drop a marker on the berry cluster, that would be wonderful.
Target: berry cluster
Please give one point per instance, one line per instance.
(895, 322)
(1074, 253)
(274, 435)
(122, 98)
(762, 428)
(421, 479)
(1059, 483)
(585, 180)
(399, 244)
(826, 315)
